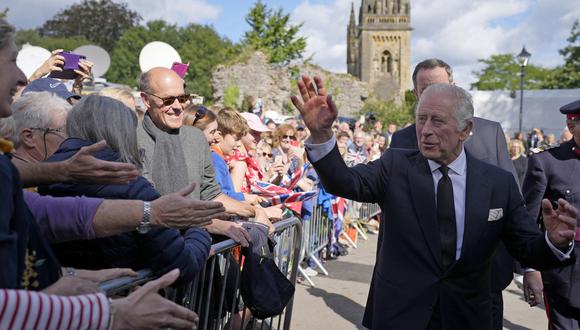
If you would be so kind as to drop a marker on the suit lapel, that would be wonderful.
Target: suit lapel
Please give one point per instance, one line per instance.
(423, 196)
(477, 203)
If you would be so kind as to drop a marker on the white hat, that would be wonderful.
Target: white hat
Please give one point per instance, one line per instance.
(254, 122)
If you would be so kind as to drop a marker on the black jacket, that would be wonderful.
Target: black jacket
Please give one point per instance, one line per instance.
(486, 143)
(408, 278)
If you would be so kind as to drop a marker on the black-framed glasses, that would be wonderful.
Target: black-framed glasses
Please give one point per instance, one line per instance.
(291, 137)
(167, 101)
(56, 131)
(49, 130)
(200, 113)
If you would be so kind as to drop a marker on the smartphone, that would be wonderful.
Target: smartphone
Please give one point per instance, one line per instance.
(71, 63)
(180, 69)
(278, 159)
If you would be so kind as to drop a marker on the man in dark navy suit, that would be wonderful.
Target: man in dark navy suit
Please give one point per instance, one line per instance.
(486, 143)
(445, 214)
(554, 173)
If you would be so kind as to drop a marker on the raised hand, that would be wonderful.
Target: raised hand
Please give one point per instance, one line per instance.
(317, 108)
(53, 63)
(560, 223)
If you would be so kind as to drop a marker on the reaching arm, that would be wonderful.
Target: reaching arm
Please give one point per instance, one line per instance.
(82, 167)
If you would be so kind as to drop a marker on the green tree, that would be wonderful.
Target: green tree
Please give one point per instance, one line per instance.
(502, 72)
(198, 45)
(100, 21)
(390, 111)
(51, 43)
(271, 32)
(568, 75)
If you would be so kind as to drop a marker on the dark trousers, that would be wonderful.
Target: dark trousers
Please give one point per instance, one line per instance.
(560, 315)
(496, 310)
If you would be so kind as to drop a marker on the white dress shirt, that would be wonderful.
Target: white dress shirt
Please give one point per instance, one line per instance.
(458, 175)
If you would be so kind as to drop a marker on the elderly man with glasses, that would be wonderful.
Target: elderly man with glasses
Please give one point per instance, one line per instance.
(40, 119)
(175, 155)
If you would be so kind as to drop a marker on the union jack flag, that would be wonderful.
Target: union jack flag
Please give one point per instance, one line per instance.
(290, 181)
(290, 198)
(267, 189)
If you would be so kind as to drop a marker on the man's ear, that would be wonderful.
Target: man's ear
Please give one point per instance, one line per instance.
(466, 131)
(27, 138)
(145, 100)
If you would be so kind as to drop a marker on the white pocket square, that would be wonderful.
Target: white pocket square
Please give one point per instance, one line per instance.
(495, 214)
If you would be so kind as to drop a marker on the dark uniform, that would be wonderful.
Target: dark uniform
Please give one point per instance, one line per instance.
(554, 173)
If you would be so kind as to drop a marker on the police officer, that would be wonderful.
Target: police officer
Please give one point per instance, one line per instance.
(555, 173)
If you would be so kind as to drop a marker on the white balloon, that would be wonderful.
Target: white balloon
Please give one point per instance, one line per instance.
(31, 58)
(97, 55)
(157, 53)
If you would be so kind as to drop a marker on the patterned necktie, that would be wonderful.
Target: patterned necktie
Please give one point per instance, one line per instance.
(446, 218)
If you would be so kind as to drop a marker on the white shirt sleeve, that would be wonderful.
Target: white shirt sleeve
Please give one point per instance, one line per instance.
(559, 254)
(318, 151)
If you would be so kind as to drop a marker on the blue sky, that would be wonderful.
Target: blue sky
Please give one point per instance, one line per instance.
(458, 31)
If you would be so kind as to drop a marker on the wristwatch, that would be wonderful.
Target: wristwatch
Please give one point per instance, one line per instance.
(145, 224)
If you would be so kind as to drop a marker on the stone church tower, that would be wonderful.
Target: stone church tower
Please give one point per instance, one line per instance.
(379, 47)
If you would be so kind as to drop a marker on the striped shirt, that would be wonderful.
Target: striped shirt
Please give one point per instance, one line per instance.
(20, 309)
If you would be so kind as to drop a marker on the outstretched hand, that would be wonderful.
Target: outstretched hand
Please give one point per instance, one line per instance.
(83, 167)
(316, 107)
(560, 223)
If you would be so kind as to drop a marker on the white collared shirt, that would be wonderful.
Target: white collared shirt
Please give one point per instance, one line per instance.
(458, 175)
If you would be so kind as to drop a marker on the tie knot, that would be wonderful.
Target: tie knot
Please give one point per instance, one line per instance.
(444, 170)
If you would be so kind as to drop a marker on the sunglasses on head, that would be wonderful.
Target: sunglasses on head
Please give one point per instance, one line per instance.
(167, 101)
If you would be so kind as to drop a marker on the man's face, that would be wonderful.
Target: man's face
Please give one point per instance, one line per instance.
(46, 140)
(438, 133)
(428, 77)
(10, 77)
(359, 140)
(392, 128)
(574, 128)
(165, 84)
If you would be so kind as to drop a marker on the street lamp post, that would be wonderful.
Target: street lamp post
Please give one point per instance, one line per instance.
(523, 58)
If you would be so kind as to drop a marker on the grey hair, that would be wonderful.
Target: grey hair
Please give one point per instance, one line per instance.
(145, 82)
(429, 64)
(36, 109)
(463, 111)
(97, 118)
(6, 30)
(7, 128)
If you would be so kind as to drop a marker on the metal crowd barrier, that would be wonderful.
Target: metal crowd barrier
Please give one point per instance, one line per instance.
(215, 293)
(316, 237)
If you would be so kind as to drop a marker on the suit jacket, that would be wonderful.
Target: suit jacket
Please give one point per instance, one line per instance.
(487, 143)
(408, 279)
(553, 174)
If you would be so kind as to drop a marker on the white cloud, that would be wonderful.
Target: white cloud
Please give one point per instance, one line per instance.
(458, 31)
(176, 11)
(325, 27)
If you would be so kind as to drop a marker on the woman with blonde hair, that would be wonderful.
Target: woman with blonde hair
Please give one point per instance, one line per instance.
(517, 150)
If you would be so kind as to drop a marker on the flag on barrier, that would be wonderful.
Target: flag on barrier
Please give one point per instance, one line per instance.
(290, 198)
(267, 189)
(290, 181)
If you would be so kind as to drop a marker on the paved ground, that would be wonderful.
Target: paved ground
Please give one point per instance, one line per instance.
(337, 302)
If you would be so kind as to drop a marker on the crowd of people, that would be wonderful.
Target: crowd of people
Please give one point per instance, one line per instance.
(97, 186)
